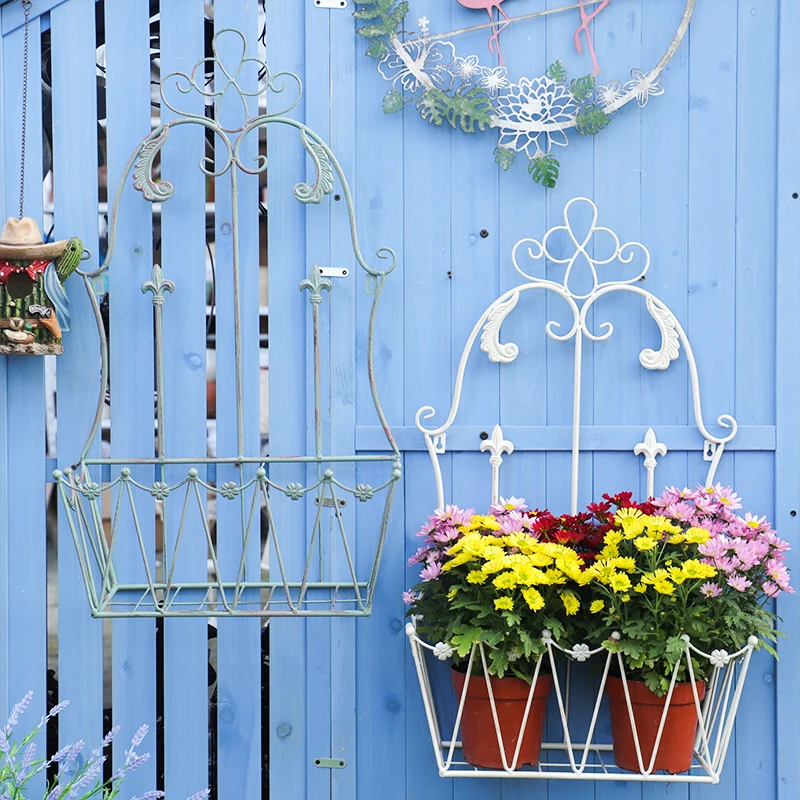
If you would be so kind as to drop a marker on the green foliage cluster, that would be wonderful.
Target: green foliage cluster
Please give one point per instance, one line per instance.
(383, 18)
(468, 108)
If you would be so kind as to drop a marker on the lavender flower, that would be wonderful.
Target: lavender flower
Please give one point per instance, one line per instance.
(710, 589)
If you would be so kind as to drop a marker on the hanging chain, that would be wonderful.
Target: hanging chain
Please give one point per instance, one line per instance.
(26, 5)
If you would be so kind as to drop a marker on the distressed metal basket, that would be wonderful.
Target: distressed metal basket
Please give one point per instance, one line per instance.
(587, 759)
(566, 758)
(330, 579)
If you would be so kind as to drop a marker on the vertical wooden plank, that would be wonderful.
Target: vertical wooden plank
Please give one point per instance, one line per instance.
(428, 381)
(287, 267)
(342, 103)
(131, 325)
(381, 643)
(5, 643)
(80, 658)
(787, 389)
(712, 235)
(757, 98)
(183, 251)
(319, 84)
(25, 407)
(239, 641)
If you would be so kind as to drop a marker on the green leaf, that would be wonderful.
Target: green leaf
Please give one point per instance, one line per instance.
(582, 88)
(504, 156)
(371, 31)
(392, 102)
(367, 13)
(557, 72)
(544, 170)
(377, 49)
(468, 108)
(591, 120)
(466, 638)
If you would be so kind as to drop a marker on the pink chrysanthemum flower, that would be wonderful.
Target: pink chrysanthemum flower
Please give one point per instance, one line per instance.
(753, 521)
(739, 582)
(431, 572)
(409, 597)
(446, 534)
(710, 589)
(505, 507)
(770, 589)
(453, 515)
(713, 548)
(419, 556)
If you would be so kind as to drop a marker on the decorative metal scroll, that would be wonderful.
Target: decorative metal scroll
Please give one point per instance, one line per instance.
(531, 114)
(587, 759)
(585, 255)
(162, 591)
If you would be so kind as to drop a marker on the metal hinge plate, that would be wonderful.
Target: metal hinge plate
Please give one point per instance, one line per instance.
(335, 4)
(334, 272)
(330, 763)
(328, 502)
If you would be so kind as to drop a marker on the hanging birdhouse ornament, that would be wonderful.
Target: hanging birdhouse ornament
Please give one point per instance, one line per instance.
(34, 309)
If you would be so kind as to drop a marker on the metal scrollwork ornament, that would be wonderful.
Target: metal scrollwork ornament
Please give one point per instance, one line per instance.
(532, 115)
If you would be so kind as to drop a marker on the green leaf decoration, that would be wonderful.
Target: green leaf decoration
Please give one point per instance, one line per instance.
(367, 14)
(323, 185)
(392, 102)
(557, 72)
(504, 156)
(377, 49)
(388, 13)
(582, 88)
(591, 120)
(544, 170)
(468, 108)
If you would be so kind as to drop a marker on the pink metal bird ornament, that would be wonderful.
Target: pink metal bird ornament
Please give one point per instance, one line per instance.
(489, 6)
(586, 18)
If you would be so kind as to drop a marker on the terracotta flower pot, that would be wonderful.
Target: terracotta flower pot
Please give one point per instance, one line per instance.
(477, 732)
(677, 739)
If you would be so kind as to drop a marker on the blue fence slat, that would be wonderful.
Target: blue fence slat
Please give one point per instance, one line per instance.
(427, 253)
(25, 409)
(342, 138)
(287, 264)
(712, 232)
(787, 389)
(319, 109)
(239, 641)
(381, 643)
(183, 233)
(131, 356)
(755, 330)
(80, 657)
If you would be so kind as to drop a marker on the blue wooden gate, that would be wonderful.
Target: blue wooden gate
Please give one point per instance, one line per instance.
(707, 177)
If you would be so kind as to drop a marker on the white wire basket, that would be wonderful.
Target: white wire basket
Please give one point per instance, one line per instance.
(578, 753)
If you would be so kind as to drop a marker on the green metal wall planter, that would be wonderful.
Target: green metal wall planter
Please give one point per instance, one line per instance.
(158, 587)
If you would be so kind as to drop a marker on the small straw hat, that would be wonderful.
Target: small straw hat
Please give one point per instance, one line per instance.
(21, 240)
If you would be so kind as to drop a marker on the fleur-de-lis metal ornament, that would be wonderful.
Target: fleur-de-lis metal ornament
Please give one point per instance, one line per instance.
(532, 114)
(34, 308)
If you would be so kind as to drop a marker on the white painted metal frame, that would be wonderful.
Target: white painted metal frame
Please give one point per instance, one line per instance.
(590, 760)
(584, 256)
(717, 711)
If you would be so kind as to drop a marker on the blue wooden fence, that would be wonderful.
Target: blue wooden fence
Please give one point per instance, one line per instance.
(705, 176)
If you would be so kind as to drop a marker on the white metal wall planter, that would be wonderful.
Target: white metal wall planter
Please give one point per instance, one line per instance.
(161, 590)
(531, 114)
(580, 756)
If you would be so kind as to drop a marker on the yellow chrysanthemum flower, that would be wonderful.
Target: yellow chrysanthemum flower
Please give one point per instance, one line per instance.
(625, 598)
(641, 588)
(644, 543)
(613, 538)
(477, 576)
(626, 563)
(696, 570)
(633, 527)
(504, 603)
(677, 575)
(571, 603)
(663, 586)
(677, 538)
(505, 580)
(597, 606)
(627, 513)
(452, 593)
(495, 565)
(554, 577)
(609, 551)
(697, 536)
(528, 575)
(533, 598)
(457, 561)
(620, 582)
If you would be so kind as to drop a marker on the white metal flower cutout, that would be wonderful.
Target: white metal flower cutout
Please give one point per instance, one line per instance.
(719, 658)
(533, 108)
(581, 652)
(645, 85)
(493, 79)
(419, 64)
(466, 68)
(443, 651)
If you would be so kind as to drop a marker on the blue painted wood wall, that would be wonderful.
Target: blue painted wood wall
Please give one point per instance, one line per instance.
(705, 177)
